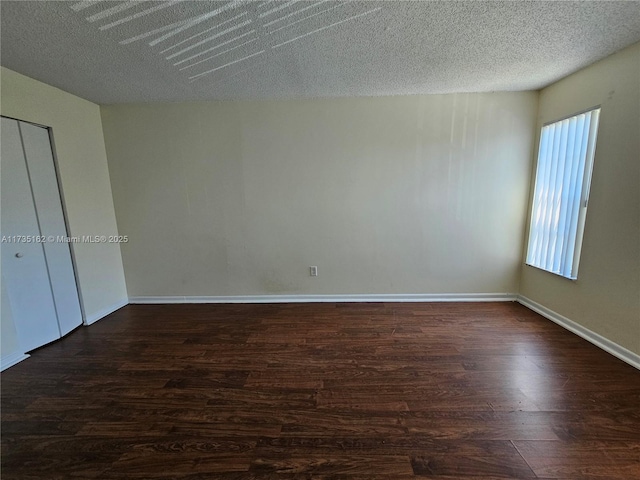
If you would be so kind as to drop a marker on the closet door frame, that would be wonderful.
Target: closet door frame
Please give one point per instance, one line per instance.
(63, 203)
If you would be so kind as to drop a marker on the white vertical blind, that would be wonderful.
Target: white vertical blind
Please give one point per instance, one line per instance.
(563, 176)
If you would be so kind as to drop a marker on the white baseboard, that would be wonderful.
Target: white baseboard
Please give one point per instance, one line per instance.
(94, 317)
(10, 360)
(453, 297)
(598, 340)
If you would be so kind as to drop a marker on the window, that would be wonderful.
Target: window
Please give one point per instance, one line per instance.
(563, 176)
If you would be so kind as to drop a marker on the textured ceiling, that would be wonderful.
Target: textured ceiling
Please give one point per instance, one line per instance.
(144, 51)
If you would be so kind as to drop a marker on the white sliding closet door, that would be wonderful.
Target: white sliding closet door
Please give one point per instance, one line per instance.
(24, 268)
(44, 184)
(38, 276)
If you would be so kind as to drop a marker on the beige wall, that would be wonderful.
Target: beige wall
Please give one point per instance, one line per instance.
(414, 194)
(84, 175)
(606, 296)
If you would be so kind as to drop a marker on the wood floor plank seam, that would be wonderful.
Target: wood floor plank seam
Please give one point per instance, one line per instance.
(523, 458)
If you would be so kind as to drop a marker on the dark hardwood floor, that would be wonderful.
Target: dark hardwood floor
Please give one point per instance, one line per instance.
(321, 391)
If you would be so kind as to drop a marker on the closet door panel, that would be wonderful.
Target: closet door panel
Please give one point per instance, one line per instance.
(40, 162)
(23, 263)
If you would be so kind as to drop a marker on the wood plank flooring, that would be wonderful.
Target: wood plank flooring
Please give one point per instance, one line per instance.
(321, 391)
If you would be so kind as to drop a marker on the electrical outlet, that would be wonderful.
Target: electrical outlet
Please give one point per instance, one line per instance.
(313, 271)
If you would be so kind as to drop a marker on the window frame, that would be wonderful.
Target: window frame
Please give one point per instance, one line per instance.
(585, 190)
